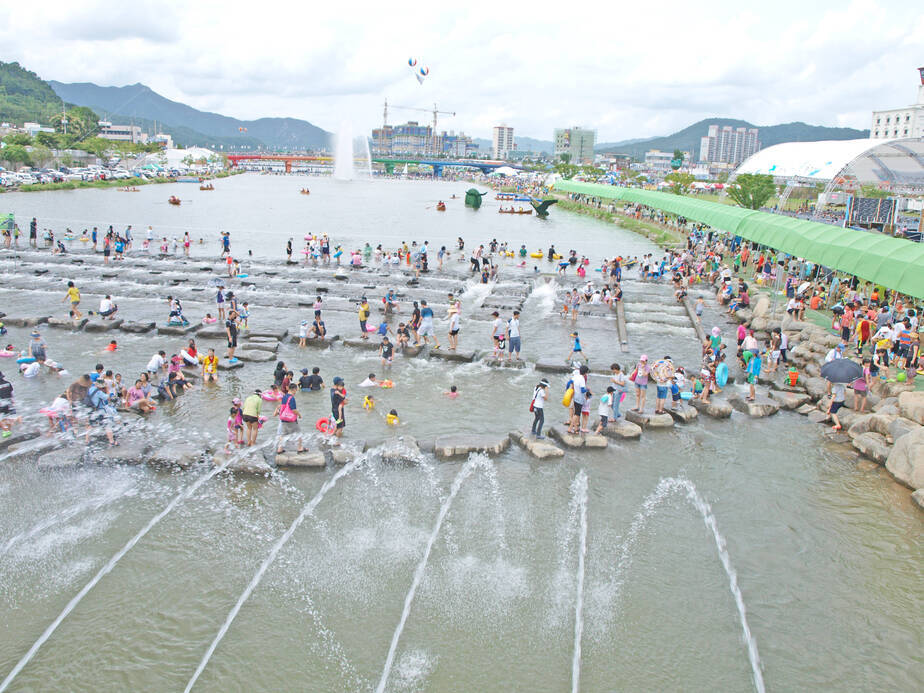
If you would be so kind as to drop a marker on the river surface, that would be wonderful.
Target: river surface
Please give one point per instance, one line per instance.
(825, 550)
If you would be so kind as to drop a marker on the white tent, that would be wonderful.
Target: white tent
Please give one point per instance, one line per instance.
(173, 158)
(506, 171)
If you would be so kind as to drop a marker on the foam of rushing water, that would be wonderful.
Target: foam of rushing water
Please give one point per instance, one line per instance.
(545, 292)
(271, 556)
(343, 153)
(476, 292)
(579, 498)
(474, 460)
(71, 605)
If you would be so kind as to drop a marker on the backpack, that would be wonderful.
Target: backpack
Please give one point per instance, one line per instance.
(88, 398)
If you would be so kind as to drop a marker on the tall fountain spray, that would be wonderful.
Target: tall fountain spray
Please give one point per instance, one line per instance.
(343, 152)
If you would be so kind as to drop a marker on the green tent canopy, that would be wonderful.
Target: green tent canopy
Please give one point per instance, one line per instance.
(895, 263)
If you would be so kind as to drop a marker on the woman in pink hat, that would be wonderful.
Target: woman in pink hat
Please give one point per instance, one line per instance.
(641, 383)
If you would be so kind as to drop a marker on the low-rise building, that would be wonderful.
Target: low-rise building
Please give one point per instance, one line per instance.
(32, 129)
(900, 122)
(122, 133)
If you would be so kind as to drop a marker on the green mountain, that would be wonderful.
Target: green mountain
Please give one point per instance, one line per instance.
(688, 138)
(140, 102)
(26, 98)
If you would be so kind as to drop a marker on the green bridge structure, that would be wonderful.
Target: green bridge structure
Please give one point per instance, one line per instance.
(895, 263)
(439, 164)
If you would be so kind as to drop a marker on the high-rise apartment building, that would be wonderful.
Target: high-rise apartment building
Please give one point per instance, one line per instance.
(728, 145)
(503, 142)
(577, 143)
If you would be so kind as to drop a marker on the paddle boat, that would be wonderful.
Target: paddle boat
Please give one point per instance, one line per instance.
(174, 200)
(440, 206)
(305, 191)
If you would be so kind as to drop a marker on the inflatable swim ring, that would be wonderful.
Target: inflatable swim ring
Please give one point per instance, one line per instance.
(338, 253)
(371, 328)
(721, 375)
(392, 420)
(84, 239)
(25, 359)
(270, 396)
(566, 400)
(686, 395)
(325, 426)
(7, 354)
(208, 321)
(386, 384)
(50, 413)
(556, 256)
(242, 276)
(368, 403)
(537, 255)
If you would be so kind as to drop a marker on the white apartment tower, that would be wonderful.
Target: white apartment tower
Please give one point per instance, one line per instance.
(728, 145)
(503, 141)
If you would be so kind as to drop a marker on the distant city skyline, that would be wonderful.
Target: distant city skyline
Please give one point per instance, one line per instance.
(793, 62)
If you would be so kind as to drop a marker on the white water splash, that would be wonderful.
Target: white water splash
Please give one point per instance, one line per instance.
(271, 556)
(71, 605)
(475, 460)
(579, 497)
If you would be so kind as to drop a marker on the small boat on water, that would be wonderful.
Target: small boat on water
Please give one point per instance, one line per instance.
(441, 206)
(129, 189)
(207, 187)
(305, 191)
(514, 211)
(188, 179)
(174, 200)
(512, 197)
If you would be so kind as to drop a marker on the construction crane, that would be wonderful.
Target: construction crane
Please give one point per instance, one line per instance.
(435, 111)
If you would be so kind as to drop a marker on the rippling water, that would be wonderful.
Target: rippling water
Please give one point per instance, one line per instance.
(826, 550)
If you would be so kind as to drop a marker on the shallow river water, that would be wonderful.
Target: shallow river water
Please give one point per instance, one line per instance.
(690, 537)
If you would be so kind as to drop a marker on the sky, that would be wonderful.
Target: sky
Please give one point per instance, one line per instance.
(628, 70)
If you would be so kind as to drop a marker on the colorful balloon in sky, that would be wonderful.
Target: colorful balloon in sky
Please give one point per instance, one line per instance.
(421, 72)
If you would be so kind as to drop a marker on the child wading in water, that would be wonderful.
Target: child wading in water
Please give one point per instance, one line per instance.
(605, 408)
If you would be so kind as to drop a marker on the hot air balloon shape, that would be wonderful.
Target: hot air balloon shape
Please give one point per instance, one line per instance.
(422, 74)
(412, 62)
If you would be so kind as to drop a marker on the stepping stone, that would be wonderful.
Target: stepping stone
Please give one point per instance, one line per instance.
(362, 344)
(497, 363)
(759, 408)
(552, 366)
(268, 345)
(465, 443)
(254, 355)
(789, 400)
(622, 430)
(180, 454)
(212, 332)
(402, 449)
(278, 335)
(318, 343)
(302, 459)
(128, 452)
(540, 449)
(104, 325)
(649, 419)
(70, 456)
(805, 409)
(246, 462)
(873, 445)
(460, 355)
(25, 322)
(67, 324)
(816, 416)
(226, 365)
(576, 440)
(338, 456)
(17, 438)
(178, 329)
(716, 408)
(683, 413)
(137, 327)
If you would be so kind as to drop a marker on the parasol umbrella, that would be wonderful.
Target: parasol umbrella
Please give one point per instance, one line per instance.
(841, 371)
(663, 370)
(803, 287)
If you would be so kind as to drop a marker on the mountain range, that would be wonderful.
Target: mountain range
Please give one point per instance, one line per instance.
(688, 139)
(188, 125)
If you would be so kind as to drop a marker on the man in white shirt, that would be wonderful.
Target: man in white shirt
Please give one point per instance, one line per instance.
(157, 362)
(513, 336)
(107, 308)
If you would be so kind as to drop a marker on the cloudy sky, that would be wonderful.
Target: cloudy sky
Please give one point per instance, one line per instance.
(627, 69)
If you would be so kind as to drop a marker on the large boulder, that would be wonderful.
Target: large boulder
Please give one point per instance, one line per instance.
(761, 308)
(683, 414)
(906, 461)
(888, 388)
(789, 400)
(103, 325)
(911, 406)
(901, 427)
(137, 327)
(254, 355)
(872, 445)
(623, 430)
(866, 423)
(815, 387)
(650, 419)
(301, 459)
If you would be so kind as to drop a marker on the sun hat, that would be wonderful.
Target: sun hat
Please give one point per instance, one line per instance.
(643, 357)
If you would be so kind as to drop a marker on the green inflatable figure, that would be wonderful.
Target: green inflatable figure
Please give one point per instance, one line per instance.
(473, 198)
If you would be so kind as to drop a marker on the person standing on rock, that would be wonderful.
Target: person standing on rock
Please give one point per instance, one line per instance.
(426, 329)
(289, 416)
(33, 232)
(73, 295)
(579, 384)
(363, 317)
(250, 412)
(640, 378)
(540, 395)
(454, 321)
(620, 383)
(338, 401)
(513, 337)
(231, 331)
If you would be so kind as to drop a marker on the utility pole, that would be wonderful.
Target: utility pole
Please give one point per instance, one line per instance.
(64, 116)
